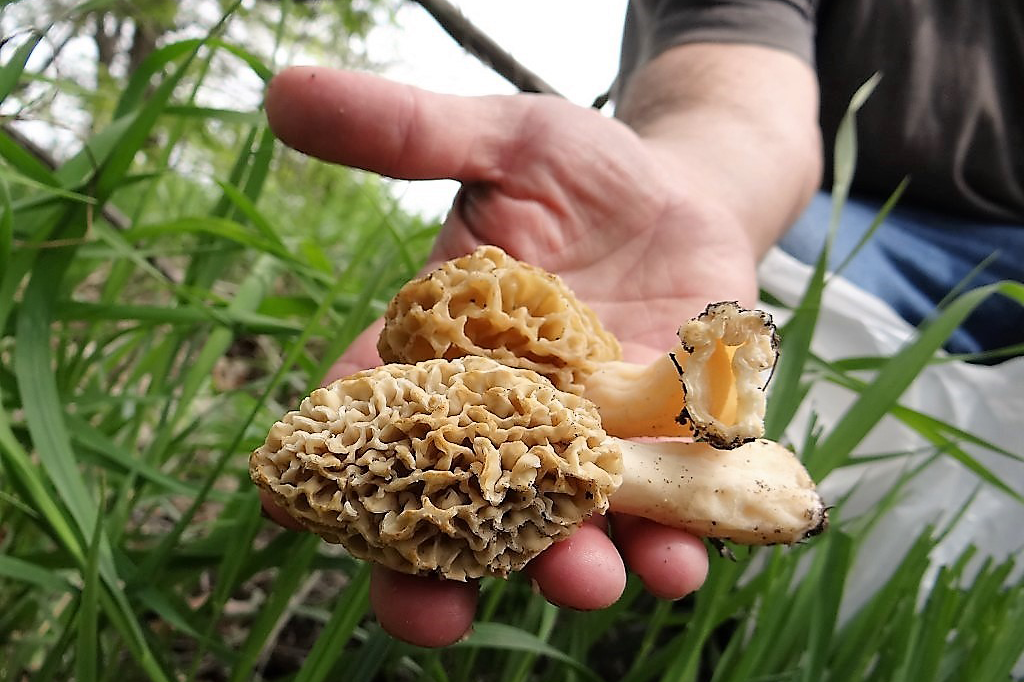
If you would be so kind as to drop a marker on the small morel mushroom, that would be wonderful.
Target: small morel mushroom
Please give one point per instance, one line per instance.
(469, 468)
(490, 304)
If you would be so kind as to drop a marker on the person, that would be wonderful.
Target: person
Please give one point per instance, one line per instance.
(715, 151)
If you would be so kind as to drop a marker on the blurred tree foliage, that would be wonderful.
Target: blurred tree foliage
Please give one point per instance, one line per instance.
(97, 62)
(89, 53)
(89, 50)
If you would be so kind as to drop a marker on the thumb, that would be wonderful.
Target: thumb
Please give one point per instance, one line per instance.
(367, 122)
(361, 354)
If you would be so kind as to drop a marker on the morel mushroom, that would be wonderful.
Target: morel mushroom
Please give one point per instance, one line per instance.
(490, 304)
(468, 468)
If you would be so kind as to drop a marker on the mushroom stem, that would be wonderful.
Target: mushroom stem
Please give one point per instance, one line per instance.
(710, 386)
(642, 400)
(756, 494)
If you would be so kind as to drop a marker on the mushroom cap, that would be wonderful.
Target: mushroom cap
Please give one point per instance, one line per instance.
(490, 304)
(463, 468)
(731, 351)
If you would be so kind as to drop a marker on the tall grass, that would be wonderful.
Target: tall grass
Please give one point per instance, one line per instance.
(143, 358)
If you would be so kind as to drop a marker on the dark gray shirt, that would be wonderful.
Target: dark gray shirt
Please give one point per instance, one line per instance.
(948, 112)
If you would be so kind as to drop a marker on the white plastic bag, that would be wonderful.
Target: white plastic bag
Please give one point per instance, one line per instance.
(987, 401)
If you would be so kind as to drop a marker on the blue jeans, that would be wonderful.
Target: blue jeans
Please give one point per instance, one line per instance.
(915, 258)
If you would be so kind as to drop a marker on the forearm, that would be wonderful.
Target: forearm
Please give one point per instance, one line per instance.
(737, 123)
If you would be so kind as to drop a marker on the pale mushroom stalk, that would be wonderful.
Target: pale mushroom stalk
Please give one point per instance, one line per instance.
(467, 467)
(711, 386)
(756, 494)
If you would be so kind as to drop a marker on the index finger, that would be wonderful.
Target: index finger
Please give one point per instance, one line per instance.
(398, 130)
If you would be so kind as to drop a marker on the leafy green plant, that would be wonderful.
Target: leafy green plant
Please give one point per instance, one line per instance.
(156, 319)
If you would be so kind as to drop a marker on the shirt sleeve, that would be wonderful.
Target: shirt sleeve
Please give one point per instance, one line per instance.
(653, 26)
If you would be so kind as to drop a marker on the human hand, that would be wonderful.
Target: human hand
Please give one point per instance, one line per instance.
(629, 228)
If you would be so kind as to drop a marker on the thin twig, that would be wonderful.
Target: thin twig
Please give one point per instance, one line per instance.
(483, 47)
(112, 214)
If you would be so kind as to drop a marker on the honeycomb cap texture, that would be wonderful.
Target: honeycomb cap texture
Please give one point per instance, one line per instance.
(463, 468)
(490, 304)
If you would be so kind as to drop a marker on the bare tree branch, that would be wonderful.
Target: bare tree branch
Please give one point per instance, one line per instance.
(481, 46)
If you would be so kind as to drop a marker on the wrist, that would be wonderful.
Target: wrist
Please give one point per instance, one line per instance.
(738, 123)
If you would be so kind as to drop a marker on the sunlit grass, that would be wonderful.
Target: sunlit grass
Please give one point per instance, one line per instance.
(140, 363)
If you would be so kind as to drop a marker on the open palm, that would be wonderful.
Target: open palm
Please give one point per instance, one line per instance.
(566, 189)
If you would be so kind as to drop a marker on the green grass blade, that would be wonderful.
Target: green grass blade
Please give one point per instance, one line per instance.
(208, 225)
(41, 398)
(47, 192)
(714, 603)
(827, 595)
(6, 228)
(241, 321)
(36, 491)
(44, 415)
(520, 663)
(24, 163)
(798, 332)
(228, 116)
(160, 554)
(81, 169)
(778, 623)
(351, 606)
(896, 375)
(245, 522)
(945, 437)
(123, 461)
(14, 568)
(177, 614)
(876, 223)
(55, 662)
(87, 649)
(245, 205)
(135, 94)
(868, 630)
(508, 638)
(291, 573)
(378, 650)
(11, 72)
(838, 373)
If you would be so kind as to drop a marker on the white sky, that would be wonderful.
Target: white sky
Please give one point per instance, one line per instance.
(571, 44)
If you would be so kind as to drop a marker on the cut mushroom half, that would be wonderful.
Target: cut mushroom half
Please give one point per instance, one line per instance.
(469, 468)
(723, 361)
(490, 304)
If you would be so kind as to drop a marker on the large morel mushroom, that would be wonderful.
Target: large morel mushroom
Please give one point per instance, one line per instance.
(464, 468)
(469, 468)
